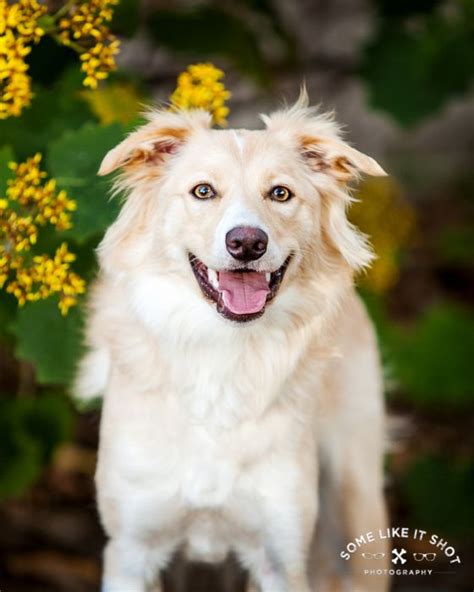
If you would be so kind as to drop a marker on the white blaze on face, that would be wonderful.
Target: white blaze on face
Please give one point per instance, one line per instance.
(239, 140)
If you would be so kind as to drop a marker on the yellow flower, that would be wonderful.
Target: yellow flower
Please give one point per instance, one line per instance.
(4, 266)
(19, 232)
(46, 276)
(199, 87)
(86, 29)
(31, 190)
(389, 220)
(22, 16)
(18, 28)
(98, 62)
(31, 202)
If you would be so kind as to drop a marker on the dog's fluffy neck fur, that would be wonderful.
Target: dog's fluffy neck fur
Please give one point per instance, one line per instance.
(178, 333)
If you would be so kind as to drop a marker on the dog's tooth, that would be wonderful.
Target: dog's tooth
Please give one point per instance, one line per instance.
(268, 276)
(212, 277)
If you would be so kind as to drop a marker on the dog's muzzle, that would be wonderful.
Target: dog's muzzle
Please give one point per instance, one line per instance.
(241, 294)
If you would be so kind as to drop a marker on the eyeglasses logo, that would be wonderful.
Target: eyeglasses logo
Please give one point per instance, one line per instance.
(426, 556)
(373, 555)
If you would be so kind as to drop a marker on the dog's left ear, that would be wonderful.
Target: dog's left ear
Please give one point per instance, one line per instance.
(334, 156)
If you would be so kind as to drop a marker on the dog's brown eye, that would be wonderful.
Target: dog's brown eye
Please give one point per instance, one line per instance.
(203, 191)
(280, 193)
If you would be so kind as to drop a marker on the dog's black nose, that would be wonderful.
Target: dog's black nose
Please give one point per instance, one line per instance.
(246, 243)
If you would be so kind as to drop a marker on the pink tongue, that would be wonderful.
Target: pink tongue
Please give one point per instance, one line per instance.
(243, 293)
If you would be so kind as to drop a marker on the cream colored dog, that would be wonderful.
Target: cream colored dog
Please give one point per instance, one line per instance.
(237, 364)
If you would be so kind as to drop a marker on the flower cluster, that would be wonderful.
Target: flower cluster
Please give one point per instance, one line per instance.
(31, 190)
(32, 202)
(82, 25)
(86, 29)
(18, 30)
(200, 87)
(45, 276)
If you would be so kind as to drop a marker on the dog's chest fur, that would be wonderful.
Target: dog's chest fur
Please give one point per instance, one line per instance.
(197, 428)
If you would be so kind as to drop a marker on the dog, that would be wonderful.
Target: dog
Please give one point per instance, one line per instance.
(239, 371)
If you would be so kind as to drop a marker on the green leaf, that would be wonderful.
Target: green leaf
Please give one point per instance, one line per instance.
(439, 494)
(74, 160)
(49, 340)
(52, 111)
(204, 32)
(6, 156)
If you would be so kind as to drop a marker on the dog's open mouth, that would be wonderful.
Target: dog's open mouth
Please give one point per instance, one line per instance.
(240, 294)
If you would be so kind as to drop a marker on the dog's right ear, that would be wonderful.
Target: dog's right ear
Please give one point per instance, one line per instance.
(143, 147)
(154, 142)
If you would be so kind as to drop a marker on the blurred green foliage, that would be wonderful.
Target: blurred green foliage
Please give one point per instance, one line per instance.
(51, 342)
(54, 110)
(212, 29)
(31, 429)
(74, 160)
(433, 360)
(421, 55)
(439, 494)
(126, 18)
(73, 155)
(430, 361)
(207, 30)
(456, 245)
(6, 156)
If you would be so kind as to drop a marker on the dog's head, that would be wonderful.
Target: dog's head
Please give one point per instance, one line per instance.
(236, 217)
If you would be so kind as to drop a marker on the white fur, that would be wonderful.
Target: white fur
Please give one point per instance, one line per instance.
(93, 374)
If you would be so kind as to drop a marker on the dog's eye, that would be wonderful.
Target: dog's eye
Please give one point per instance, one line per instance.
(280, 193)
(203, 191)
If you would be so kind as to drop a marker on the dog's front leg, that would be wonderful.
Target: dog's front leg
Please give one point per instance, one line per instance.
(268, 574)
(130, 566)
(354, 495)
(279, 563)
